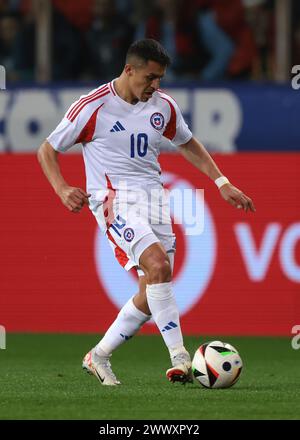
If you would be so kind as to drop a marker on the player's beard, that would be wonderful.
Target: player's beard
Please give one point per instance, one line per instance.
(146, 95)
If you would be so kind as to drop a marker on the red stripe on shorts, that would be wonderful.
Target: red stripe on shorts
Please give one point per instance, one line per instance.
(119, 253)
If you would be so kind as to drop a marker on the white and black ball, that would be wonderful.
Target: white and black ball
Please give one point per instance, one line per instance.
(217, 365)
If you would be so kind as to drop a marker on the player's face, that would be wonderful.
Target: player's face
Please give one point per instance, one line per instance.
(145, 80)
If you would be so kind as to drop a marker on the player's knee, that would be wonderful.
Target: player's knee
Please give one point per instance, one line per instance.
(160, 271)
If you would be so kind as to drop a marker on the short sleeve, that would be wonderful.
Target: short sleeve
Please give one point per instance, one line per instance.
(78, 124)
(176, 129)
(183, 133)
(64, 136)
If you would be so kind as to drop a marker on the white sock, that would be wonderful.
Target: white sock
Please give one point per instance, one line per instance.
(163, 307)
(127, 323)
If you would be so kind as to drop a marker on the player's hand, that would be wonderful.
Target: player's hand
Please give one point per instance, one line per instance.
(74, 198)
(236, 198)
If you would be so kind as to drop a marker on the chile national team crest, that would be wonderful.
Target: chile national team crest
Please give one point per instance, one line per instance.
(128, 234)
(157, 121)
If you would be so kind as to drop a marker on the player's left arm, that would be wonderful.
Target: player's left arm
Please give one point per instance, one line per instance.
(195, 152)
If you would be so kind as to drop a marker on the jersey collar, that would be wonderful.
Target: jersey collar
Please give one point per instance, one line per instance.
(135, 108)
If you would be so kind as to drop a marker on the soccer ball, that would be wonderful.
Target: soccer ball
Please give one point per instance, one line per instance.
(217, 365)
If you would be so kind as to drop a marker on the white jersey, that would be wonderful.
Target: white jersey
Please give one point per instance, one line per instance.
(120, 141)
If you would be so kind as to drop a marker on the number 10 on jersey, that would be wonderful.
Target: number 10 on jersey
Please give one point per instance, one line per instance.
(138, 145)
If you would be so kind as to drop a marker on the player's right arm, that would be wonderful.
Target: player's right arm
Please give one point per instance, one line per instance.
(68, 133)
(73, 198)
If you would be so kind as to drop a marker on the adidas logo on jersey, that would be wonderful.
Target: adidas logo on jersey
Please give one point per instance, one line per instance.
(117, 127)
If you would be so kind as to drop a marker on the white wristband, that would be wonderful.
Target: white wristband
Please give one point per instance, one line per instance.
(220, 181)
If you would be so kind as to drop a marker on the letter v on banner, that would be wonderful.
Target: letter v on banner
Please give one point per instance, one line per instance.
(257, 261)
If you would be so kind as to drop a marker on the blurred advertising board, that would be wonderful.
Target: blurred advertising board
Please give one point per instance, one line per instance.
(239, 276)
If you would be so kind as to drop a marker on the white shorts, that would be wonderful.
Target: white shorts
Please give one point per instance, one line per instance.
(135, 220)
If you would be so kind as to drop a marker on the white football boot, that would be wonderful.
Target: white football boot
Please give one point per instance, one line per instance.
(182, 367)
(100, 367)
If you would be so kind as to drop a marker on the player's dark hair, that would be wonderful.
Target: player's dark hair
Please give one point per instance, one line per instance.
(148, 50)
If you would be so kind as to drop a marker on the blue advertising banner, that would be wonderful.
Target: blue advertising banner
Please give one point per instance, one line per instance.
(225, 117)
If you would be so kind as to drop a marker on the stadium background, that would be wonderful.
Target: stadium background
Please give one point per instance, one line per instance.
(235, 75)
(242, 276)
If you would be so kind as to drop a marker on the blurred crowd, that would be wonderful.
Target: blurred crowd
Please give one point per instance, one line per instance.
(208, 40)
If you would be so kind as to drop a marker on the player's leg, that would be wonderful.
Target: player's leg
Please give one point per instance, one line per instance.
(158, 275)
(140, 299)
(155, 263)
(131, 317)
(128, 321)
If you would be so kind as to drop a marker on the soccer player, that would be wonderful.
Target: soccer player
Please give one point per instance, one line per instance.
(121, 125)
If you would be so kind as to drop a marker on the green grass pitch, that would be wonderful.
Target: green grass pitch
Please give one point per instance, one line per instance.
(41, 378)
